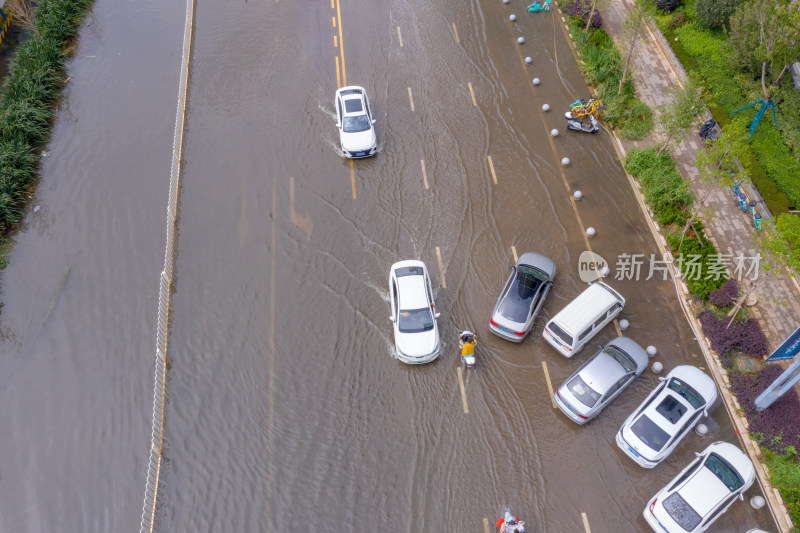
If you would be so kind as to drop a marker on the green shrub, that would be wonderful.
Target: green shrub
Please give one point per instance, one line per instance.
(784, 473)
(697, 250)
(664, 189)
(715, 13)
(678, 19)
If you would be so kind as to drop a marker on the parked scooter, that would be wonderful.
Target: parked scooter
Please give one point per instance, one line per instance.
(579, 125)
(467, 342)
(707, 130)
(510, 524)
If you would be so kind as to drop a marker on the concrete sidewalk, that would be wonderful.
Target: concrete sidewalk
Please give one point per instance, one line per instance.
(655, 71)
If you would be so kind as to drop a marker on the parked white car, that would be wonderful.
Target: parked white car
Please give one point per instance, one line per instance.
(414, 314)
(656, 427)
(355, 122)
(696, 497)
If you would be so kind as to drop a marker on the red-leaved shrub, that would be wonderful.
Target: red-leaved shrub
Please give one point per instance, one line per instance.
(725, 295)
(743, 335)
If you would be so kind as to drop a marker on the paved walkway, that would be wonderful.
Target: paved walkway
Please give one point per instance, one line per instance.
(656, 70)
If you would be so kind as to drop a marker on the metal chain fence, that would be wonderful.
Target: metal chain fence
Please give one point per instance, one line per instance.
(157, 435)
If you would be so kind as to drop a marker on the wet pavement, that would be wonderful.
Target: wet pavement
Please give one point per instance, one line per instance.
(286, 403)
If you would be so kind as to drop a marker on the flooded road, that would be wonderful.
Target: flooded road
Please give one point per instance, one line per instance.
(286, 404)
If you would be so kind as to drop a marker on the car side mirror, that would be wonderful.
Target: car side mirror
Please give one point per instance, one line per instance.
(698, 454)
(600, 346)
(661, 378)
(741, 496)
(391, 318)
(338, 124)
(373, 121)
(705, 413)
(437, 314)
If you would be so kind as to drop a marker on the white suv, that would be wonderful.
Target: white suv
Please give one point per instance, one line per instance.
(354, 120)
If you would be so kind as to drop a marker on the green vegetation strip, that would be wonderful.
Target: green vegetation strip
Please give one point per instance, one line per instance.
(31, 91)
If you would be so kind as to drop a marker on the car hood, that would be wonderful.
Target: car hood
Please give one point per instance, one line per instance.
(360, 140)
(417, 344)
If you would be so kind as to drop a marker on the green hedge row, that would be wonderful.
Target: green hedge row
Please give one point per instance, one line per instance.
(36, 76)
(784, 473)
(601, 64)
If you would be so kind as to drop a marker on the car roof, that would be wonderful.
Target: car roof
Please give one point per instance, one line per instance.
(412, 292)
(353, 99)
(584, 308)
(703, 491)
(602, 372)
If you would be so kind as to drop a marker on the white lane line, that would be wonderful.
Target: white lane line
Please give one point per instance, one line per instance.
(472, 94)
(461, 386)
(441, 266)
(616, 326)
(586, 523)
(424, 174)
(549, 384)
(491, 168)
(486, 525)
(400, 36)
(514, 251)
(455, 32)
(411, 99)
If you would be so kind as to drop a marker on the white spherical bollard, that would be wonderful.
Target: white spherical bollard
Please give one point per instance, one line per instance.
(565, 161)
(536, 81)
(590, 232)
(577, 195)
(520, 40)
(554, 132)
(506, 1)
(512, 18)
(623, 324)
(757, 502)
(657, 367)
(605, 272)
(528, 60)
(701, 430)
(546, 107)
(651, 351)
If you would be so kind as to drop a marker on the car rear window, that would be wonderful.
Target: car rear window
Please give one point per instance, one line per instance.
(415, 320)
(587, 395)
(687, 392)
(560, 333)
(353, 105)
(724, 472)
(681, 512)
(408, 271)
(517, 303)
(648, 432)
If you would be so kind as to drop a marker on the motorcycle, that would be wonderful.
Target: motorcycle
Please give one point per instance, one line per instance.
(465, 337)
(707, 130)
(574, 123)
(510, 524)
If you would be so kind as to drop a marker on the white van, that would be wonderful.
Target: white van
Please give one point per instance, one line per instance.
(582, 318)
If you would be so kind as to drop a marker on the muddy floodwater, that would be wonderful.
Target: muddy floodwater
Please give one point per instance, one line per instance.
(286, 403)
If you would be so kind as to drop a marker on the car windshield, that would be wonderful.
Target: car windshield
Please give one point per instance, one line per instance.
(621, 357)
(355, 124)
(687, 392)
(517, 303)
(681, 512)
(415, 320)
(724, 472)
(587, 395)
(560, 333)
(649, 433)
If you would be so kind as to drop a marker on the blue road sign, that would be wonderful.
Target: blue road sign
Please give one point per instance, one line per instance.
(788, 348)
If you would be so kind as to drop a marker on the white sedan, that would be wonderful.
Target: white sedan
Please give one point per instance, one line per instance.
(414, 314)
(656, 427)
(704, 490)
(354, 120)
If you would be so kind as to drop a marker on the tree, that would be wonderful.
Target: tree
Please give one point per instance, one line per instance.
(23, 14)
(595, 5)
(715, 13)
(764, 39)
(633, 27)
(678, 114)
(719, 161)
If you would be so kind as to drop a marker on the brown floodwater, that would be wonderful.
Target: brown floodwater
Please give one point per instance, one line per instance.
(286, 404)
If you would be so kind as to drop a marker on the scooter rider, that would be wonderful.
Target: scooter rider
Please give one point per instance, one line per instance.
(510, 524)
(467, 344)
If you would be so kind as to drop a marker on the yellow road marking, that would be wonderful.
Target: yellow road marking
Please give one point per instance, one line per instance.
(455, 32)
(332, 5)
(441, 266)
(424, 174)
(514, 251)
(333, 21)
(411, 99)
(341, 42)
(486, 525)
(616, 326)
(400, 36)
(549, 384)
(338, 75)
(335, 42)
(302, 222)
(353, 178)
(463, 393)
(472, 94)
(491, 168)
(271, 363)
(586, 523)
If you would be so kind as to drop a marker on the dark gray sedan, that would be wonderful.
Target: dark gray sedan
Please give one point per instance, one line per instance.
(600, 379)
(522, 297)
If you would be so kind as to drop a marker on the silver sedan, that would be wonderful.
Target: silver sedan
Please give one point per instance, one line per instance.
(600, 379)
